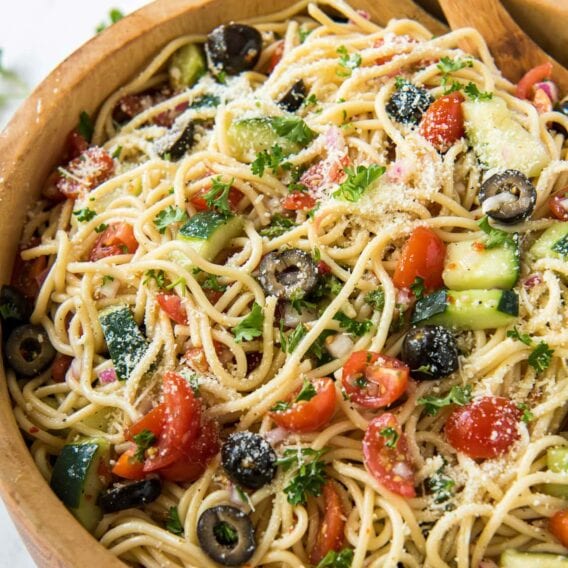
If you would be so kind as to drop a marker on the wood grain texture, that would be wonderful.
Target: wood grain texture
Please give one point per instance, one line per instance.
(513, 50)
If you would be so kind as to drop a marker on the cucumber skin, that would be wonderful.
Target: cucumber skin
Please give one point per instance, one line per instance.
(468, 309)
(202, 225)
(76, 479)
(126, 343)
(557, 461)
(516, 559)
(187, 64)
(467, 268)
(542, 247)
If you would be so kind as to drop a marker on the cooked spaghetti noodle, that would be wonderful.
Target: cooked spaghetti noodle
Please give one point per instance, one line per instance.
(490, 505)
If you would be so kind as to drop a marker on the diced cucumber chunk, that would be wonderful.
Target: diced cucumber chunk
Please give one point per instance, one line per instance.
(500, 141)
(516, 559)
(469, 265)
(557, 461)
(209, 232)
(125, 341)
(468, 309)
(552, 243)
(187, 64)
(249, 136)
(78, 478)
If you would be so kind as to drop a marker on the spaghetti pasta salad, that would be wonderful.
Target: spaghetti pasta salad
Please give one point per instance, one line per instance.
(297, 298)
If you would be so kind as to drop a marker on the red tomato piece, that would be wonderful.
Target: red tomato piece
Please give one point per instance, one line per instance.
(198, 200)
(386, 456)
(276, 56)
(76, 144)
(153, 421)
(128, 467)
(172, 305)
(558, 525)
(541, 101)
(422, 255)
(182, 418)
(323, 267)
(309, 415)
(60, 366)
(443, 124)
(298, 201)
(373, 380)
(534, 75)
(484, 428)
(331, 533)
(558, 204)
(87, 171)
(28, 275)
(117, 239)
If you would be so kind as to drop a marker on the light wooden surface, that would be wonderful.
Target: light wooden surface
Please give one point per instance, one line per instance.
(513, 50)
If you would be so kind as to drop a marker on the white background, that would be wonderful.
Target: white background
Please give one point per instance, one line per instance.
(35, 35)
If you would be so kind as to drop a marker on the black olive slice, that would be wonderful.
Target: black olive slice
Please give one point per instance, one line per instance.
(562, 108)
(233, 48)
(15, 308)
(508, 197)
(28, 350)
(295, 97)
(408, 103)
(249, 459)
(286, 273)
(226, 535)
(129, 495)
(430, 352)
(175, 145)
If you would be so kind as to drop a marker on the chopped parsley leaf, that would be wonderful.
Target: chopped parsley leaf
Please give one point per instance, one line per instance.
(495, 237)
(278, 226)
(251, 326)
(522, 337)
(168, 216)
(312, 100)
(100, 228)
(527, 416)
(114, 16)
(85, 126)
(376, 299)
(299, 303)
(541, 356)
(347, 62)
(293, 128)
(333, 559)
(173, 523)
(391, 436)
(218, 196)
(307, 392)
(225, 534)
(159, 276)
(358, 180)
(448, 65)
(290, 343)
(116, 153)
(441, 486)
(457, 395)
(212, 283)
(561, 246)
(472, 91)
(280, 406)
(303, 33)
(84, 215)
(418, 288)
(310, 475)
(273, 159)
(143, 441)
(354, 327)
(107, 278)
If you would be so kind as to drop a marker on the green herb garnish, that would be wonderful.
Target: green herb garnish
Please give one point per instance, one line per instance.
(173, 523)
(457, 395)
(143, 441)
(347, 62)
(251, 326)
(169, 216)
(358, 180)
(84, 215)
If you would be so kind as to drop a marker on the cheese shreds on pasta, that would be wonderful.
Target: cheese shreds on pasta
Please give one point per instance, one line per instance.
(466, 511)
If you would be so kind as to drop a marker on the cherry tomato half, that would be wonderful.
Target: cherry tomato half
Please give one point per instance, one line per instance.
(28, 275)
(484, 428)
(373, 380)
(422, 255)
(128, 467)
(558, 525)
(298, 201)
(534, 75)
(443, 124)
(182, 418)
(60, 366)
(172, 305)
(118, 238)
(198, 200)
(309, 415)
(558, 204)
(330, 535)
(386, 456)
(276, 56)
(152, 421)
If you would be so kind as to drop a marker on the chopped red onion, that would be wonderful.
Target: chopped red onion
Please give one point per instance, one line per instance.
(340, 345)
(549, 88)
(276, 435)
(108, 376)
(532, 281)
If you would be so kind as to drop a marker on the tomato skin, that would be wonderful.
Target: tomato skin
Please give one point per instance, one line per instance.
(60, 366)
(298, 201)
(75, 145)
(443, 122)
(558, 204)
(276, 56)
(558, 526)
(532, 76)
(152, 421)
(484, 428)
(128, 467)
(331, 533)
(422, 255)
(310, 415)
(172, 305)
(117, 238)
(391, 467)
(385, 378)
(323, 268)
(198, 199)
(28, 275)
(181, 422)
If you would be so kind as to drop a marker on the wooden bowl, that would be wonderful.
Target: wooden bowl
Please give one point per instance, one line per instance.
(29, 148)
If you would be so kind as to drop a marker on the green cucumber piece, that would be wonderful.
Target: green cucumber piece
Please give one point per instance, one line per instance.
(499, 141)
(126, 343)
(78, 478)
(209, 232)
(187, 64)
(468, 309)
(553, 243)
(516, 559)
(469, 265)
(557, 461)
(249, 136)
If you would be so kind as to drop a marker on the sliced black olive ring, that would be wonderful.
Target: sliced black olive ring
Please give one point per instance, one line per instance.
(430, 352)
(286, 273)
(508, 197)
(15, 306)
(248, 459)
(129, 495)
(294, 98)
(28, 350)
(178, 142)
(226, 535)
(408, 103)
(233, 48)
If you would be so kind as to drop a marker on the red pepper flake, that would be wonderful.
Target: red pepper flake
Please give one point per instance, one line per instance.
(33, 430)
